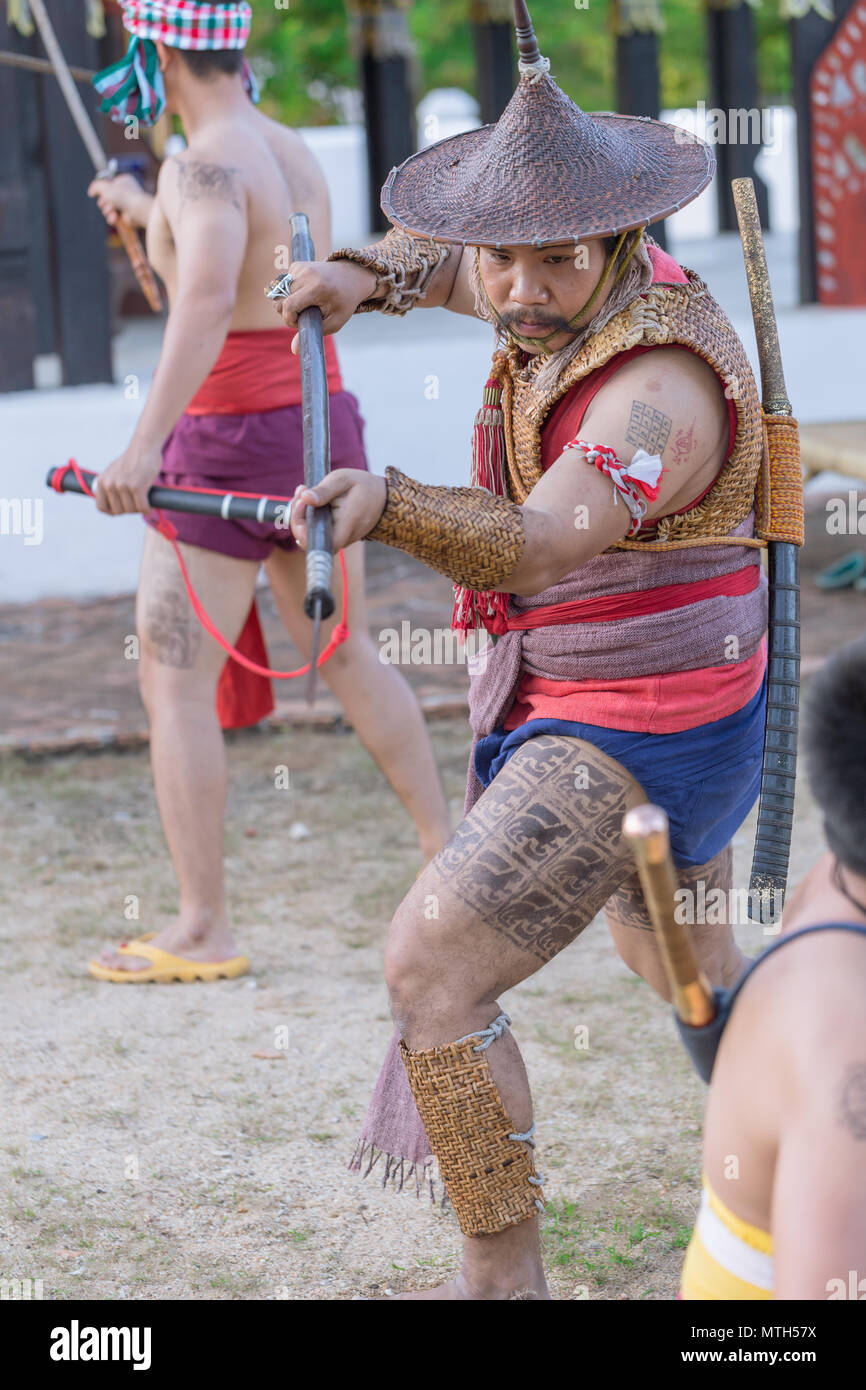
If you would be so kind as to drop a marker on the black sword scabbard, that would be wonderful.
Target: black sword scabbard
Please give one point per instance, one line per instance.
(317, 441)
(274, 510)
(779, 769)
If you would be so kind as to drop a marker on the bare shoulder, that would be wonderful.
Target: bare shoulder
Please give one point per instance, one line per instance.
(667, 384)
(670, 403)
(809, 998)
(673, 367)
(299, 165)
(207, 169)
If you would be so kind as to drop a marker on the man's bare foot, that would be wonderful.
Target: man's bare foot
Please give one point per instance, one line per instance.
(463, 1289)
(202, 941)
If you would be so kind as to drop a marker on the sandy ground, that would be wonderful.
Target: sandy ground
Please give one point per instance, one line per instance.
(148, 1153)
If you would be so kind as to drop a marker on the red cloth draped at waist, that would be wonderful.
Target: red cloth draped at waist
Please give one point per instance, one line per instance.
(610, 607)
(257, 370)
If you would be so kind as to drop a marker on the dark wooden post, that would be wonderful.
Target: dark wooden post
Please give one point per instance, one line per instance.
(637, 25)
(495, 55)
(40, 260)
(734, 92)
(385, 49)
(812, 26)
(18, 343)
(79, 230)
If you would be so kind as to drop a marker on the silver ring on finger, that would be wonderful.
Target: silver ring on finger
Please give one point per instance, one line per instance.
(280, 288)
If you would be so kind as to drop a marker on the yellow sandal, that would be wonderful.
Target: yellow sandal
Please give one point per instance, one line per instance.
(165, 967)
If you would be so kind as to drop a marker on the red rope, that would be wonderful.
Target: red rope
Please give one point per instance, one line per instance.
(169, 531)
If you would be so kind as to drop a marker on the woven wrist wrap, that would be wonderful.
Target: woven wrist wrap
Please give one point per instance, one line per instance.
(488, 1170)
(464, 532)
(402, 263)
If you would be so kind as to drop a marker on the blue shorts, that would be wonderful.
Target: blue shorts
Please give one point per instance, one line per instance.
(707, 778)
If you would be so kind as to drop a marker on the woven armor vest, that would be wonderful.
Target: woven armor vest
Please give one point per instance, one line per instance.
(663, 314)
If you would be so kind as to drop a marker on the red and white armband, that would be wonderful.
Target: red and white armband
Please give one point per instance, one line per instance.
(637, 483)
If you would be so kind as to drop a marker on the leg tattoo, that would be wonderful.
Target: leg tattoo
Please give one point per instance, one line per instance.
(542, 850)
(171, 629)
(628, 907)
(716, 949)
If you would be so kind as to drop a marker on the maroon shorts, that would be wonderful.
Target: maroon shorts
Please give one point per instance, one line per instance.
(262, 453)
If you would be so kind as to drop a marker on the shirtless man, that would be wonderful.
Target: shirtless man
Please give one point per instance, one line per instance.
(782, 1214)
(220, 213)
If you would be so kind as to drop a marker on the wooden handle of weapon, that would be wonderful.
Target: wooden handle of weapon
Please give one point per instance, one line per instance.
(316, 431)
(24, 60)
(778, 776)
(646, 829)
(773, 390)
(143, 273)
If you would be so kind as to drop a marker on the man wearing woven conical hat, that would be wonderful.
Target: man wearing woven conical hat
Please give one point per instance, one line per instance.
(608, 545)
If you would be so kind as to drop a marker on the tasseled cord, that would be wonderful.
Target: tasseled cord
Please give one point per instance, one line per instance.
(489, 462)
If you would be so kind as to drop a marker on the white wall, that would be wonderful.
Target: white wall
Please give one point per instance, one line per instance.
(776, 165)
(341, 151)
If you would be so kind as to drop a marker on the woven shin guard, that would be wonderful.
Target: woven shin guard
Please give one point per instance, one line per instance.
(488, 1170)
(403, 266)
(464, 532)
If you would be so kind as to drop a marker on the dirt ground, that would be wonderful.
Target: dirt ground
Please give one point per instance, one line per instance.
(148, 1152)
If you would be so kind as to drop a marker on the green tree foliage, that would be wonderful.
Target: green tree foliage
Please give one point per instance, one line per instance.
(308, 49)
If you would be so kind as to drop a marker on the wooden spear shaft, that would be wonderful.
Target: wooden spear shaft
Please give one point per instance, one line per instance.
(78, 111)
(24, 60)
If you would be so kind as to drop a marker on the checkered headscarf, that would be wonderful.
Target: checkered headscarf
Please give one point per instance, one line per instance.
(186, 24)
(134, 85)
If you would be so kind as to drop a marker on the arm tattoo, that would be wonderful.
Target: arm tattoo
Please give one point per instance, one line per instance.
(199, 180)
(648, 428)
(852, 1109)
(684, 443)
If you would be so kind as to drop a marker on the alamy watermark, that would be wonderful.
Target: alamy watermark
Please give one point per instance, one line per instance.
(22, 516)
(846, 516)
(735, 126)
(854, 1288)
(734, 907)
(21, 1289)
(77, 1343)
(438, 646)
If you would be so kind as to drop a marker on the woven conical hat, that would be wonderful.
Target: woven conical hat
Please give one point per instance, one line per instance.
(546, 171)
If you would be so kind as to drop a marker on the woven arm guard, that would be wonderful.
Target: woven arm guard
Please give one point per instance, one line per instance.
(403, 264)
(474, 538)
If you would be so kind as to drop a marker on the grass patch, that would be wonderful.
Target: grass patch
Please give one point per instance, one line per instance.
(603, 1246)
